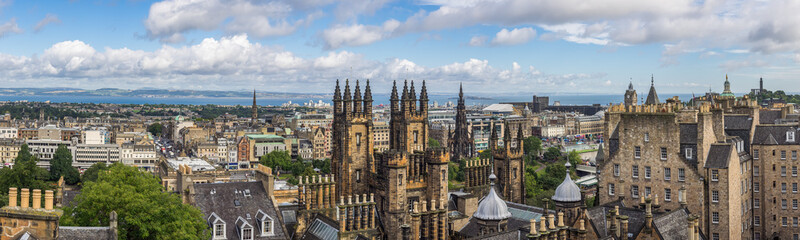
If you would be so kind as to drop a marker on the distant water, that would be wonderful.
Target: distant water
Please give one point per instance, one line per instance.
(379, 99)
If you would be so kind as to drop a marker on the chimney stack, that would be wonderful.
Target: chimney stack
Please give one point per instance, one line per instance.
(560, 219)
(37, 198)
(12, 197)
(533, 227)
(48, 200)
(648, 218)
(624, 228)
(25, 198)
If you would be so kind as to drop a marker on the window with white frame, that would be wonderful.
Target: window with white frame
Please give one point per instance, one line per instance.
(783, 171)
(714, 196)
(663, 153)
(756, 171)
(756, 187)
(247, 234)
(647, 172)
(688, 153)
(714, 175)
(681, 174)
(755, 154)
(794, 154)
(794, 187)
(784, 221)
(635, 171)
(635, 191)
(783, 204)
(610, 189)
(790, 136)
(637, 152)
(794, 203)
(756, 203)
(667, 195)
(715, 217)
(647, 191)
(616, 170)
(783, 187)
(646, 137)
(794, 171)
(667, 174)
(783, 154)
(715, 236)
(218, 230)
(265, 223)
(757, 220)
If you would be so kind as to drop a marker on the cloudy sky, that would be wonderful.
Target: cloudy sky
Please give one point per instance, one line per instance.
(492, 46)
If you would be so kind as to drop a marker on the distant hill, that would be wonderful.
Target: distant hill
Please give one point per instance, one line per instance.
(152, 93)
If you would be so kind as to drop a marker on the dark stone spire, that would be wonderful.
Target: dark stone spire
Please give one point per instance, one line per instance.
(337, 93)
(520, 136)
(423, 94)
(347, 89)
(405, 90)
(357, 98)
(394, 91)
(255, 108)
(652, 96)
(413, 93)
(367, 92)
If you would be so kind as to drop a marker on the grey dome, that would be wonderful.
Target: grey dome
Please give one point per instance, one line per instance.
(492, 207)
(568, 191)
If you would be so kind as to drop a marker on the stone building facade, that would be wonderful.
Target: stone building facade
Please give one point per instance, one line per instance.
(404, 183)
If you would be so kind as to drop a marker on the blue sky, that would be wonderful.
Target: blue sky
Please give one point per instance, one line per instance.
(493, 46)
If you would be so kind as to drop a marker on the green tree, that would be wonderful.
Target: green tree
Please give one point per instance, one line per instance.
(277, 159)
(61, 165)
(552, 154)
(323, 165)
(24, 174)
(532, 145)
(433, 143)
(144, 210)
(485, 154)
(91, 174)
(574, 158)
(156, 129)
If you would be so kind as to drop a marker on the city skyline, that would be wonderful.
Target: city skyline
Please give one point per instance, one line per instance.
(491, 46)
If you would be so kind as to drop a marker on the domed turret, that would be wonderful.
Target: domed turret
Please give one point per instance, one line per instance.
(492, 207)
(568, 191)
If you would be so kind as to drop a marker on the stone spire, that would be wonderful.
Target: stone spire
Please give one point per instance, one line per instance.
(255, 108)
(337, 93)
(652, 96)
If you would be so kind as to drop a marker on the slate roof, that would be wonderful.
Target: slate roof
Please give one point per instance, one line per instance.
(88, 233)
(520, 218)
(672, 226)
(220, 198)
(652, 96)
(688, 133)
(768, 116)
(322, 228)
(68, 199)
(738, 122)
(718, 155)
(600, 155)
(774, 135)
(636, 218)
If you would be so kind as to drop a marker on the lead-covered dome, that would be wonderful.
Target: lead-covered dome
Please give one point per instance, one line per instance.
(568, 191)
(492, 207)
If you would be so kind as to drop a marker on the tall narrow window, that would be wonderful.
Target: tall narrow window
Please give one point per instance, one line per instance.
(715, 196)
(611, 189)
(616, 170)
(637, 152)
(358, 139)
(635, 171)
(647, 172)
(667, 174)
(663, 153)
(681, 174)
(790, 136)
(756, 171)
(667, 195)
(755, 154)
(688, 153)
(646, 137)
(783, 154)
(714, 175)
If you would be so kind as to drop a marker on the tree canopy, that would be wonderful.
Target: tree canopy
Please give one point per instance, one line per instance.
(277, 159)
(433, 143)
(144, 210)
(91, 174)
(552, 154)
(61, 165)
(156, 129)
(24, 174)
(532, 145)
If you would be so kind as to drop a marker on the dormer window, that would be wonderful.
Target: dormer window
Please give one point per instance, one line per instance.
(217, 226)
(265, 224)
(790, 136)
(244, 228)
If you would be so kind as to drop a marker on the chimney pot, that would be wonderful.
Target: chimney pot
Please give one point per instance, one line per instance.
(12, 197)
(37, 198)
(24, 201)
(48, 200)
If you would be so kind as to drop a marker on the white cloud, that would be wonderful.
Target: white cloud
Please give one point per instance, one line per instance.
(357, 35)
(514, 37)
(228, 63)
(168, 20)
(478, 41)
(49, 19)
(9, 27)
